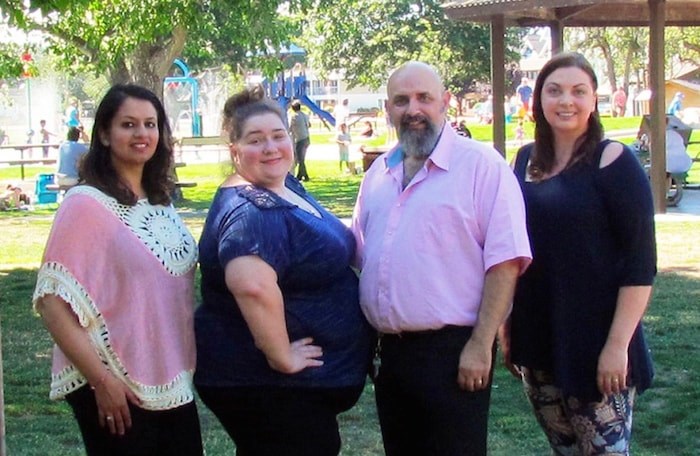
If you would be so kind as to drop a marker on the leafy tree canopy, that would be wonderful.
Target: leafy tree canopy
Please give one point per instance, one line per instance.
(137, 41)
(367, 39)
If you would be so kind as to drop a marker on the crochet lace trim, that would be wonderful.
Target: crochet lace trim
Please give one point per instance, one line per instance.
(159, 228)
(54, 278)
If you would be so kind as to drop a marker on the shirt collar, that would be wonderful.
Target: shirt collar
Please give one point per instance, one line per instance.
(440, 156)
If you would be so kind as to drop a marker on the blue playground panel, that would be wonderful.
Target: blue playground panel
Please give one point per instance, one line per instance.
(284, 90)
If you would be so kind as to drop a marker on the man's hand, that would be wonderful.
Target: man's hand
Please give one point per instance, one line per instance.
(475, 361)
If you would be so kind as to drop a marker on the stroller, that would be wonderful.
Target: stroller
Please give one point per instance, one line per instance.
(676, 176)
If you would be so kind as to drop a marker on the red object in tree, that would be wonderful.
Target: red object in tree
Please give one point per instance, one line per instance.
(26, 60)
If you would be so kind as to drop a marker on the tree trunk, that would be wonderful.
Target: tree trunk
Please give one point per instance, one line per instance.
(610, 63)
(150, 62)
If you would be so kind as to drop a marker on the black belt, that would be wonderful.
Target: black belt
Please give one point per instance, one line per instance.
(447, 329)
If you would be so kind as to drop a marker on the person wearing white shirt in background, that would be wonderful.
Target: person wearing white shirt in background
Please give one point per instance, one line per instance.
(341, 113)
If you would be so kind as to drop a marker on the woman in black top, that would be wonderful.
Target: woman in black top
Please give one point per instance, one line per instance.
(575, 335)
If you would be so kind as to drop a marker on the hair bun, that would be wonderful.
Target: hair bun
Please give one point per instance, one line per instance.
(243, 98)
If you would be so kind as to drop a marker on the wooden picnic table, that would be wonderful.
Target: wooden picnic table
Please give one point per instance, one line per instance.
(27, 161)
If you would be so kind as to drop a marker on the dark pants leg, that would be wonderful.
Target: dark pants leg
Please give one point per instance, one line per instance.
(281, 421)
(174, 431)
(421, 408)
(300, 158)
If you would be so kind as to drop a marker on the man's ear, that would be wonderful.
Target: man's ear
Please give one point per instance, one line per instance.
(445, 101)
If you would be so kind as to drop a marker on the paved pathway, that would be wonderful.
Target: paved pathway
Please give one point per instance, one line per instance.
(688, 209)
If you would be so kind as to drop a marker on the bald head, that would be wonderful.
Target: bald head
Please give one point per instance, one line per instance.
(415, 71)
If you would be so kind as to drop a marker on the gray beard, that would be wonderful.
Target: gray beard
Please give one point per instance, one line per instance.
(418, 143)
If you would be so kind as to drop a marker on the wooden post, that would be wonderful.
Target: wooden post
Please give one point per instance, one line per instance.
(498, 83)
(657, 14)
(556, 33)
(3, 449)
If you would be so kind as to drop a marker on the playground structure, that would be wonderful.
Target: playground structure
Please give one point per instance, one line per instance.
(194, 101)
(285, 89)
(181, 97)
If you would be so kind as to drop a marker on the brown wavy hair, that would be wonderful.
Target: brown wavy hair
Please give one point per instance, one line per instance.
(542, 158)
(245, 104)
(97, 169)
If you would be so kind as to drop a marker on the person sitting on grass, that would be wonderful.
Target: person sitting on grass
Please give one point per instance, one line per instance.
(368, 131)
(13, 198)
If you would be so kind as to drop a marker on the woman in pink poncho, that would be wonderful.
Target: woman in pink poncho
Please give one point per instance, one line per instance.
(115, 289)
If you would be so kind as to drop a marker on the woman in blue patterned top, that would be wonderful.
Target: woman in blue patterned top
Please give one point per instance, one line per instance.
(282, 345)
(575, 331)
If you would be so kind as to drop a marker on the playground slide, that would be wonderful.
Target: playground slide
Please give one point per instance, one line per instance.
(326, 116)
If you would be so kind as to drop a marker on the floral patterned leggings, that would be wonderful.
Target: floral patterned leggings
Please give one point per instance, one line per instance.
(579, 429)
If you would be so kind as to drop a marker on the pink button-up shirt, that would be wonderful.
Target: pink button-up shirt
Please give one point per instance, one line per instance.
(424, 250)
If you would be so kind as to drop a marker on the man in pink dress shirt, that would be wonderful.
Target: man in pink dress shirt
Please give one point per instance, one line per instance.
(440, 228)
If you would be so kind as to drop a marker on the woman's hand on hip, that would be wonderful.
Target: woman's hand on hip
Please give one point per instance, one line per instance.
(302, 354)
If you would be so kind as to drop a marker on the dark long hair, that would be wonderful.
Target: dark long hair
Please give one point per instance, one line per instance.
(243, 105)
(97, 169)
(542, 159)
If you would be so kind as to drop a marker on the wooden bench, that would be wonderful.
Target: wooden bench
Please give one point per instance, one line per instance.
(198, 141)
(202, 141)
(59, 188)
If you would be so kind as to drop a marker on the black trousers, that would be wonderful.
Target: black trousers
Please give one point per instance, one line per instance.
(300, 158)
(153, 433)
(422, 410)
(269, 421)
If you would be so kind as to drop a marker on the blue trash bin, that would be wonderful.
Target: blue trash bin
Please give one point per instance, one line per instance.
(43, 195)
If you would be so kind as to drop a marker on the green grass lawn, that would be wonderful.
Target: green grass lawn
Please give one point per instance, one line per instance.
(666, 419)
(667, 416)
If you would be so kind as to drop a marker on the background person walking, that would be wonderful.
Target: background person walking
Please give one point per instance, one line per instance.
(299, 128)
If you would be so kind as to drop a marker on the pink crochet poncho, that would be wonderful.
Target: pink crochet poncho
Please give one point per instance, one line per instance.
(128, 275)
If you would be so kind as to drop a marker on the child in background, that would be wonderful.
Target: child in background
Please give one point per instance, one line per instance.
(520, 132)
(45, 137)
(343, 139)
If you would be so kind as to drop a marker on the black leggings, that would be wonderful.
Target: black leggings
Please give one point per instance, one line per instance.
(174, 431)
(268, 421)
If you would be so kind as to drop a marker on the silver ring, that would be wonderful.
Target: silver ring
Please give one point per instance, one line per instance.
(108, 418)
(616, 380)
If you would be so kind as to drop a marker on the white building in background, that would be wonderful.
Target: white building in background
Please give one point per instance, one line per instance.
(334, 89)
